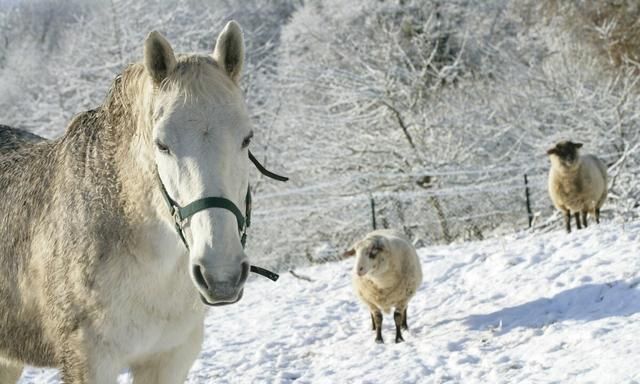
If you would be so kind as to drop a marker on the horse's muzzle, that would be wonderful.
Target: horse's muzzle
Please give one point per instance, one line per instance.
(205, 301)
(214, 292)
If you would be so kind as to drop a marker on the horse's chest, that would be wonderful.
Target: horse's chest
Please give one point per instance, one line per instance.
(147, 333)
(150, 316)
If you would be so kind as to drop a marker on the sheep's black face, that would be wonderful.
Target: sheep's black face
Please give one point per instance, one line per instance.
(567, 152)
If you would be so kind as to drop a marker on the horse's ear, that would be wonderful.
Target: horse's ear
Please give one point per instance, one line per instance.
(229, 50)
(159, 59)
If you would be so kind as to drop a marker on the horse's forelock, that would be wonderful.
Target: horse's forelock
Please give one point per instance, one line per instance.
(131, 97)
(200, 77)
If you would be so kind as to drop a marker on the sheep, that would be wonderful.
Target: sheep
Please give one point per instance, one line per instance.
(577, 184)
(386, 275)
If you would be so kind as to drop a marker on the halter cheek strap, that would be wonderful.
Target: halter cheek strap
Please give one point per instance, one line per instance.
(180, 214)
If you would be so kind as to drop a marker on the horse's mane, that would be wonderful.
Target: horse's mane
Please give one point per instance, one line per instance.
(195, 76)
(128, 102)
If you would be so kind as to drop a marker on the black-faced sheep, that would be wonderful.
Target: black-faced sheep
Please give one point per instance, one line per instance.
(577, 184)
(386, 275)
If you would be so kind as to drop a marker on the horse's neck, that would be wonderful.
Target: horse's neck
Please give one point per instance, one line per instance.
(154, 237)
(144, 207)
(124, 120)
(111, 165)
(106, 153)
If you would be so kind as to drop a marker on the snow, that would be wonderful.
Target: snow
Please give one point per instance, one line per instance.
(545, 308)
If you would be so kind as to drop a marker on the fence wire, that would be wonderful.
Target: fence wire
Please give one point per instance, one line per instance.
(318, 222)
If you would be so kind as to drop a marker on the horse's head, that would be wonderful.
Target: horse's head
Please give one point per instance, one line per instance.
(200, 137)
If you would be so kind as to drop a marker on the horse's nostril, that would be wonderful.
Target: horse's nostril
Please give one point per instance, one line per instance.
(245, 272)
(199, 276)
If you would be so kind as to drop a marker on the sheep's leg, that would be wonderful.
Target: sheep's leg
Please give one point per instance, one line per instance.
(584, 219)
(378, 324)
(404, 319)
(397, 317)
(373, 321)
(567, 220)
(577, 216)
(598, 215)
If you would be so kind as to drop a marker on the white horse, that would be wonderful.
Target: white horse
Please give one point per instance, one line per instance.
(94, 273)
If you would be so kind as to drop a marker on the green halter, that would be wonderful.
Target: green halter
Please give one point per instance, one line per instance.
(180, 214)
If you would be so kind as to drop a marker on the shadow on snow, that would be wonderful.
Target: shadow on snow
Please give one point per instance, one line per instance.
(584, 303)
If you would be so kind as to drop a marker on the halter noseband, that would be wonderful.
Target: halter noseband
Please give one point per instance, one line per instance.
(180, 214)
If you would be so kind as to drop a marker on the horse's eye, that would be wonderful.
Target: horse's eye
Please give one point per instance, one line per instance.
(247, 140)
(162, 147)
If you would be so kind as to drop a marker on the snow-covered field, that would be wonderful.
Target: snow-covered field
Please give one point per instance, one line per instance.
(528, 308)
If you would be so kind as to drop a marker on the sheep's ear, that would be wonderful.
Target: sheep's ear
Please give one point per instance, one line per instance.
(349, 253)
(577, 145)
(159, 59)
(551, 151)
(229, 50)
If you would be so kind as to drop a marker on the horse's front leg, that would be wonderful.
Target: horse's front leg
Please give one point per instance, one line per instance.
(172, 366)
(9, 372)
(85, 362)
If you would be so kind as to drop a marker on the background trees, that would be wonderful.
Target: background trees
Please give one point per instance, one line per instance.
(431, 111)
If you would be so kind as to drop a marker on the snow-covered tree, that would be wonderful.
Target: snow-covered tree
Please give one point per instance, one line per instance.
(424, 115)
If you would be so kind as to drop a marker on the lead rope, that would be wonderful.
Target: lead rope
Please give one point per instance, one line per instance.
(180, 214)
(264, 171)
(255, 269)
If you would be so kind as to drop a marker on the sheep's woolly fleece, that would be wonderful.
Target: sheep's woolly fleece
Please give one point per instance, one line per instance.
(524, 308)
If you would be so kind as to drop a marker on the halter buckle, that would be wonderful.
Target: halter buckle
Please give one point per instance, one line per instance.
(244, 221)
(176, 216)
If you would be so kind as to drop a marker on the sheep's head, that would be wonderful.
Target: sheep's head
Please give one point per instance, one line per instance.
(371, 256)
(565, 153)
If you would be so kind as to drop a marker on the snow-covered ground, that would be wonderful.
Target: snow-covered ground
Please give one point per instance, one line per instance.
(528, 308)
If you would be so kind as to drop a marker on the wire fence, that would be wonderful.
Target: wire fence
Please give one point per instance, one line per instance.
(317, 222)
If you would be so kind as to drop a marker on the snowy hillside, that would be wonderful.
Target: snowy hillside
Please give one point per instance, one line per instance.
(523, 308)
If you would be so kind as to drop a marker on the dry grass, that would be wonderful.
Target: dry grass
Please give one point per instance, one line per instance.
(612, 27)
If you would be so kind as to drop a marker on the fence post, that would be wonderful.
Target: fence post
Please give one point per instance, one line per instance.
(373, 211)
(528, 200)
(442, 217)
